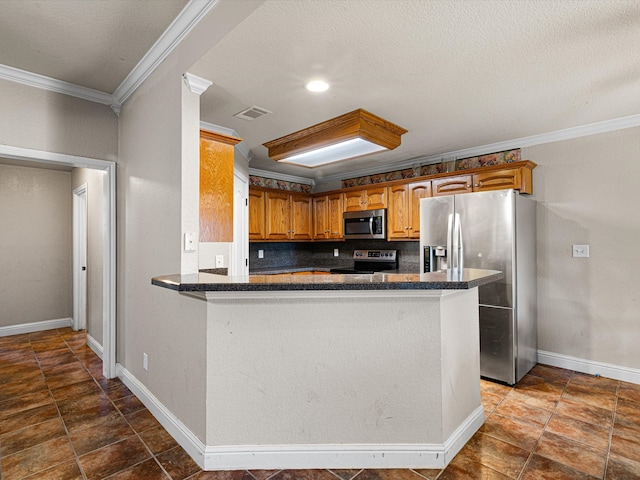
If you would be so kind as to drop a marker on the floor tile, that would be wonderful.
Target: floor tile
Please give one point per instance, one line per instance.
(142, 420)
(129, 404)
(535, 416)
(263, 474)
(629, 391)
(26, 402)
(75, 391)
(551, 374)
(585, 413)
(592, 434)
(513, 431)
(594, 382)
(28, 417)
(178, 464)
(36, 459)
(429, 474)
(386, 474)
(496, 454)
(32, 435)
(64, 471)
(230, 475)
(574, 454)
(540, 468)
(112, 429)
(621, 468)
(464, 468)
(490, 401)
(306, 475)
(345, 474)
(586, 394)
(158, 440)
(625, 442)
(146, 470)
(628, 413)
(113, 458)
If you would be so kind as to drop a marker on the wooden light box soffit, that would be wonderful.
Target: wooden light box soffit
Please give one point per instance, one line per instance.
(351, 135)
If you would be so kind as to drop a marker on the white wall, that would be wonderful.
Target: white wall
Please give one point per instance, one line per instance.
(95, 234)
(587, 189)
(42, 120)
(35, 245)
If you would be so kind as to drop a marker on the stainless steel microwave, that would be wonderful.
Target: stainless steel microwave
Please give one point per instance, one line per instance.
(366, 224)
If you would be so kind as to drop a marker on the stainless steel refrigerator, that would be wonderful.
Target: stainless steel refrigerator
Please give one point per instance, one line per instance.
(493, 230)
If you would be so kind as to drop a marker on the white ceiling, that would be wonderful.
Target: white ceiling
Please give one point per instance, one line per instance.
(456, 73)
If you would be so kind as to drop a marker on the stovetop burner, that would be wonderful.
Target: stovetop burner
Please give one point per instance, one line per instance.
(371, 261)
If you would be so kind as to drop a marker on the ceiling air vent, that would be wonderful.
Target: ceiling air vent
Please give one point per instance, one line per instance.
(252, 113)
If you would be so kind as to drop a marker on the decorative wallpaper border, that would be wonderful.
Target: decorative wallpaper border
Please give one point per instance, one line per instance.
(256, 181)
(508, 156)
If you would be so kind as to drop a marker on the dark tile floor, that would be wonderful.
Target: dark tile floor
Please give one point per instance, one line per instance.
(61, 419)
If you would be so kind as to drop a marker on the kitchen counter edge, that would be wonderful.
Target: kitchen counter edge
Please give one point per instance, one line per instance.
(207, 282)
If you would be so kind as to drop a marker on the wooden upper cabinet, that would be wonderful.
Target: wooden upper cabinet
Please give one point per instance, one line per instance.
(517, 178)
(327, 216)
(277, 215)
(452, 185)
(256, 214)
(371, 198)
(216, 187)
(301, 217)
(403, 220)
(334, 221)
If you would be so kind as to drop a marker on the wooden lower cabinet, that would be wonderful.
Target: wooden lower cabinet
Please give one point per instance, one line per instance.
(403, 220)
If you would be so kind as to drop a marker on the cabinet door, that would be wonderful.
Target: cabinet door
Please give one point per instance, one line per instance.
(256, 214)
(416, 192)
(320, 217)
(216, 187)
(301, 217)
(399, 215)
(353, 201)
(497, 180)
(451, 185)
(277, 215)
(375, 198)
(334, 216)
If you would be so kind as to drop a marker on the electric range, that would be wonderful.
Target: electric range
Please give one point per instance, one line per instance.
(371, 261)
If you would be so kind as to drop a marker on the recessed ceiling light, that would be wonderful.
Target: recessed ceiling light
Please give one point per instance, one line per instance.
(317, 86)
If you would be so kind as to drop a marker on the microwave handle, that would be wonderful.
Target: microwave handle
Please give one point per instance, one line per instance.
(371, 226)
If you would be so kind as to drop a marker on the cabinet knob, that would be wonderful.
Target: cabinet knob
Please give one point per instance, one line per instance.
(468, 185)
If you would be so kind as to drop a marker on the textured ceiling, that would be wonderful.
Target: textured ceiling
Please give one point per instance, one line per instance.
(456, 73)
(93, 43)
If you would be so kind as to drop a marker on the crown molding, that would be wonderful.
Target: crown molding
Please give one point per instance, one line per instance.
(550, 137)
(59, 86)
(197, 85)
(281, 176)
(241, 147)
(186, 21)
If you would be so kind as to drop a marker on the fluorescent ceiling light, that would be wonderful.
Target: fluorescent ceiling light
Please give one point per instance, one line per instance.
(351, 135)
(356, 147)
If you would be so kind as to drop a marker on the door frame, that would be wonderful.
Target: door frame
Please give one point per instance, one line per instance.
(239, 264)
(80, 257)
(109, 241)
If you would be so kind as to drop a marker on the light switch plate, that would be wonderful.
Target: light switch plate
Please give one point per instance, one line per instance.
(580, 250)
(260, 253)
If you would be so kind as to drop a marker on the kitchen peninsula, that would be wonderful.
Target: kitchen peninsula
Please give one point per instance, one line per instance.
(339, 371)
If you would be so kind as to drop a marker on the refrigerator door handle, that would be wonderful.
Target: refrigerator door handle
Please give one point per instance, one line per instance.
(459, 253)
(450, 246)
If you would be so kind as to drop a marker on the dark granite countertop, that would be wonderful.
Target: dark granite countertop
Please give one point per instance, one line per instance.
(207, 282)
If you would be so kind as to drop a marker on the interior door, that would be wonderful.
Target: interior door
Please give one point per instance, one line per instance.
(80, 258)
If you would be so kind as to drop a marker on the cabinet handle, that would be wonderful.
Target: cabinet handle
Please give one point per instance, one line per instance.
(468, 185)
(479, 184)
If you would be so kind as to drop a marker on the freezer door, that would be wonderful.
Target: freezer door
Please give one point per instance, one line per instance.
(488, 229)
(497, 360)
(434, 216)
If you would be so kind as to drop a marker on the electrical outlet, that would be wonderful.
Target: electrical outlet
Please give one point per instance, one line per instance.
(189, 242)
(145, 361)
(260, 253)
(219, 261)
(580, 250)
(336, 252)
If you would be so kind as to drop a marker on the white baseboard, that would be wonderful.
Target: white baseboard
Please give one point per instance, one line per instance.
(95, 346)
(581, 365)
(269, 457)
(35, 326)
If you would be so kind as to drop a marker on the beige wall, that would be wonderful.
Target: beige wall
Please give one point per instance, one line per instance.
(93, 179)
(35, 245)
(41, 120)
(587, 191)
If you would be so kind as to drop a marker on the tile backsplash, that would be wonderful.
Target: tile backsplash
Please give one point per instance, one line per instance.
(320, 254)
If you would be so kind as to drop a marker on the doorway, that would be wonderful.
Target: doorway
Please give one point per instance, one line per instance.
(80, 258)
(109, 241)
